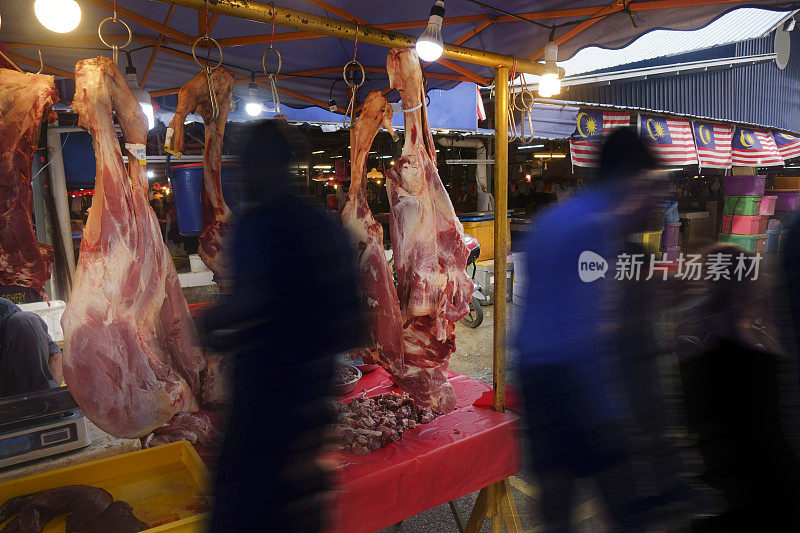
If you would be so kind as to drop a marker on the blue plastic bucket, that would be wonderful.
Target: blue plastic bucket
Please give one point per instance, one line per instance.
(671, 213)
(773, 238)
(187, 183)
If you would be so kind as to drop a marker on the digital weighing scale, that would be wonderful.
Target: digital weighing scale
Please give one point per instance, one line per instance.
(40, 424)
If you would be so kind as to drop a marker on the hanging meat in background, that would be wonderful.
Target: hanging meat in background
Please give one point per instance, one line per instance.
(427, 241)
(25, 100)
(217, 217)
(132, 358)
(377, 286)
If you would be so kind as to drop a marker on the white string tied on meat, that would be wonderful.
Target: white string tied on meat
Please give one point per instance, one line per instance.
(412, 109)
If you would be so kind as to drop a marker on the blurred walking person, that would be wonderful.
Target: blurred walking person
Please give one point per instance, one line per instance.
(581, 417)
(736, 380)
(293, 308)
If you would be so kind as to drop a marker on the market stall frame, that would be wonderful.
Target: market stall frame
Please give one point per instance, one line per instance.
(495, 501)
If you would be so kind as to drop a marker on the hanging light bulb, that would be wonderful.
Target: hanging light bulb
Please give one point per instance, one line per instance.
(253, 107)
(60, 16)
(549, 82)
(429, 44)
(142, 96)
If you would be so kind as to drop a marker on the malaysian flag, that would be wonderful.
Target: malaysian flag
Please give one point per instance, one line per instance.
(479, 101)
(671, 140)
(754, 149)
(788, 145)
(713, 144)
(592, 127)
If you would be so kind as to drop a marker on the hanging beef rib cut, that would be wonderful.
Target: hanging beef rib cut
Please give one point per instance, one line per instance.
(25, 100)
(217, 217)
(427, 241)
(132, 358)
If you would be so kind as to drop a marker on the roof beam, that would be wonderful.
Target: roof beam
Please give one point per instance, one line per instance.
(337, 11)
(156, 48)
(164, 92)
(212, 22)
(473, 32)
(35, 63)
(261, 12)
(541, 15)
(202, 21)
(380, 70)
(596, 17)
(302, 97)
(88, 39)
(144, 21)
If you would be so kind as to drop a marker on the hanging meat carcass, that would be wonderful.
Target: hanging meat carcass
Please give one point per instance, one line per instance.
(132, 358)
(193, 97)
(377, 286)
(25, 100)
(427, 241)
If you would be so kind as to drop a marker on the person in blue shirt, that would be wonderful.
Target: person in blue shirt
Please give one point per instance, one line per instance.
(569, 337)
(29, 359)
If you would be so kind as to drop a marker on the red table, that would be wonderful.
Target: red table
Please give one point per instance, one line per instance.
(454, 455)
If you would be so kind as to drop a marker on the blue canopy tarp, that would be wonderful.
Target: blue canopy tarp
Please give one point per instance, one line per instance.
(583, 23)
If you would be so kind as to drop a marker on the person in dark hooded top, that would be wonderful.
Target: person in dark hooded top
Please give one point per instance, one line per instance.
(294, 306)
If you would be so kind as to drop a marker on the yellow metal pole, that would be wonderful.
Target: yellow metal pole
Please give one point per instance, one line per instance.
(500, 233)
(299, 20)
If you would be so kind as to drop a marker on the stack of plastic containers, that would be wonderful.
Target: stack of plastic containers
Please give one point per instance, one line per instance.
(787, 204)
(741, 213)
(669, 237)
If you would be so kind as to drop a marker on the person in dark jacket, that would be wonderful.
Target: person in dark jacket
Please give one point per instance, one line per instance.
(29, 359)
(293, 309)
(731, 371)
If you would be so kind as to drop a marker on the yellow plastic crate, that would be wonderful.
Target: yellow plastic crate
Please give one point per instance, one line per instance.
(167, 486)
(484, 231)
(787, 182)
(650, 240)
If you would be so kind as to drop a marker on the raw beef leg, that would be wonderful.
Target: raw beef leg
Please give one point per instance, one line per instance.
(132, 357)
(217, 218)
(427, 240)
(377, 285)
(25, 100)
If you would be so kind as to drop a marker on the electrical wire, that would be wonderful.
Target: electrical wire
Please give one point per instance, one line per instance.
(626, 9)
(507, 13)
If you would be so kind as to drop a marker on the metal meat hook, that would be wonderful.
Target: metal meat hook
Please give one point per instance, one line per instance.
(212, 94)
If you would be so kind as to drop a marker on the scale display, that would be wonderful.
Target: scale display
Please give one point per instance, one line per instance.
(37, 440)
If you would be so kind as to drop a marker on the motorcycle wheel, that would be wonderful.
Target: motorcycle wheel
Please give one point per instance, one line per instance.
(475, 316)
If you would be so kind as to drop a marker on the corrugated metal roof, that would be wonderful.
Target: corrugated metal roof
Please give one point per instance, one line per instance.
(761, 94)
(738, 25)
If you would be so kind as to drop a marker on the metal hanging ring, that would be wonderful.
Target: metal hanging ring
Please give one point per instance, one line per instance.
(352, 84)
(118, 20)
(264, 59)
(41, 63)
(194, 54)
(520, 102)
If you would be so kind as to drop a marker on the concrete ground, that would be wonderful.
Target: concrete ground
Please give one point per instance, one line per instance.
(473, 357)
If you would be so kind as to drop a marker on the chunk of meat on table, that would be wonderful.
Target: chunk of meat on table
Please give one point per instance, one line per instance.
(131, 358)
(25, 100)
(82, 503)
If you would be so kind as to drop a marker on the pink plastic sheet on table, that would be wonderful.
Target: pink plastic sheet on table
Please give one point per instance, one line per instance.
(454, 455)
